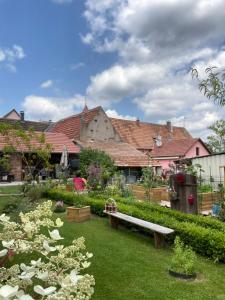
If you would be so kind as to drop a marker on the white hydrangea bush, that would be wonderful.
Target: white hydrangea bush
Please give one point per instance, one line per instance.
(58, 271)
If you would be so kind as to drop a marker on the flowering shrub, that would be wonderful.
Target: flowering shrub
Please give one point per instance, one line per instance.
(56, 273)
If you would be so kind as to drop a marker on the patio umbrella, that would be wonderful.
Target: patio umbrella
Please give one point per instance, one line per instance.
(64, 158)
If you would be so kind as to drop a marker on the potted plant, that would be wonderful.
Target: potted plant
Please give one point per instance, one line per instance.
(110, 205)
(69, 185)
(183, 261)
(79, 212)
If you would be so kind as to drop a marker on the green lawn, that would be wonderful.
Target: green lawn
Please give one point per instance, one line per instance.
(15, 189)
(127, 266)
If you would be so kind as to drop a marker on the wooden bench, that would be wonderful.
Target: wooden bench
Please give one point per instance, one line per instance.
(159, 231)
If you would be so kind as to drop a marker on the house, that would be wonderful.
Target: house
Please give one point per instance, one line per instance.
(129, 143)
(56, 140)
(94, 129)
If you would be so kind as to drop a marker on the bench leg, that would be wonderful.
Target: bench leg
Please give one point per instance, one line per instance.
(113, 222)
(159, 240)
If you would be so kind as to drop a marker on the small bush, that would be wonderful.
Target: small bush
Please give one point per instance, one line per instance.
(184, 258)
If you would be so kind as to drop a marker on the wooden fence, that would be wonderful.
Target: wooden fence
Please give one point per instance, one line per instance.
(205, 200)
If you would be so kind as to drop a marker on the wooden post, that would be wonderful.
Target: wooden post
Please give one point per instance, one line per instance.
(113, 222)
(159, 240)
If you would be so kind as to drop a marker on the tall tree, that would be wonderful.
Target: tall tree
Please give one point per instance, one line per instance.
(216, 141)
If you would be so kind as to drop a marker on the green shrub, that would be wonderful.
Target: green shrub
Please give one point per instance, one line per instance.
(206, 240)
(184, 258)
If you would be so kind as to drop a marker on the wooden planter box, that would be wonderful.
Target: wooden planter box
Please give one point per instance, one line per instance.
(78, 214)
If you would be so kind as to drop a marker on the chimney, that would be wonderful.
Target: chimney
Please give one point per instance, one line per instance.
(138, 122)
(22, 115)
(169, 126)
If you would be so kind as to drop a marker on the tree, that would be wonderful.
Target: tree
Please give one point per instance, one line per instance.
(30, 145)
(97, 158)
(213, 86)
(216, 141)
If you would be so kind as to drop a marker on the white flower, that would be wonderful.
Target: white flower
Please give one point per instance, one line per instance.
(3, 252)
(47, 247)
(8, 244)
(4, 218)
(7, 291)
(59, 222)
(26, 275)
(89, 255)
(74, 277)
(86, 264)
(42, 275)
(26, 268)
(36, 263)
(25, 297)
(44, 292)
(54, 234)
(59, 247)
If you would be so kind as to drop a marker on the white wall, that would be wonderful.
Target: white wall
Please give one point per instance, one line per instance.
(211, 165)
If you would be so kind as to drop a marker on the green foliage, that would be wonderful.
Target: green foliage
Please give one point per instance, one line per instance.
(213, 86)
(216, 141)
(204, 188)
(204, 234)
(99, 158)
(5, 163)
(148, 180)
(184, 259)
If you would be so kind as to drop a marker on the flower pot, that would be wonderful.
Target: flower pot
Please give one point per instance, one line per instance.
(182, 275)
(69, 188)
(78, 215)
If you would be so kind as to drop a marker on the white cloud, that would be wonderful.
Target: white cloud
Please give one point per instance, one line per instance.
(62, 1)
(50, 108)
(46, 84)
(112, 113)
(9, 56)
(118, 82)
(157, 42)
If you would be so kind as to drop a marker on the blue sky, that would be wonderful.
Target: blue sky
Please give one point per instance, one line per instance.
(131, 57)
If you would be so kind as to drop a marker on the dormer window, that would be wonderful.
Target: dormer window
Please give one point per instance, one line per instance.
(197, 151)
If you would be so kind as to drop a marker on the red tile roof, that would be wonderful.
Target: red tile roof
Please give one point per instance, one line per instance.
(71, 126)
(57, 140)
(123, 154)
(141, 134)
(174, 148)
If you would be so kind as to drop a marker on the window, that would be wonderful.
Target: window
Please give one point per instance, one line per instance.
(197, 151)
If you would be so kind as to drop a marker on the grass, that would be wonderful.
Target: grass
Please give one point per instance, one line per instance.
(127, 266)
(15, 189)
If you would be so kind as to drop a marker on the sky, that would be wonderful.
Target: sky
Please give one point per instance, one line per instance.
(132, 57)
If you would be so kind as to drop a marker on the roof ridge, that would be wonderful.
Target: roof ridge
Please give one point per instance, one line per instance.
(146, 123)
(81, 113)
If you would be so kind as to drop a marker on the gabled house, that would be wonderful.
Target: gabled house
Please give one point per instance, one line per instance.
(94, 129)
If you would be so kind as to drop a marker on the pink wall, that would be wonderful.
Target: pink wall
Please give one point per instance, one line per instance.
(192, 152)
(164, 163)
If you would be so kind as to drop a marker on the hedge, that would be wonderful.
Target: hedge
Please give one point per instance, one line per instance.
(204, 221)
(204, 240)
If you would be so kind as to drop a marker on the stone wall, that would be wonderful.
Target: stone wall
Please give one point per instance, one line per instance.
(16, 166)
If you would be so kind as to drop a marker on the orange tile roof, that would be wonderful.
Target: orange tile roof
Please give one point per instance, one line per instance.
(123, 154)
(71, 126)
(141, 134)
(57, 140)
(174, 148)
